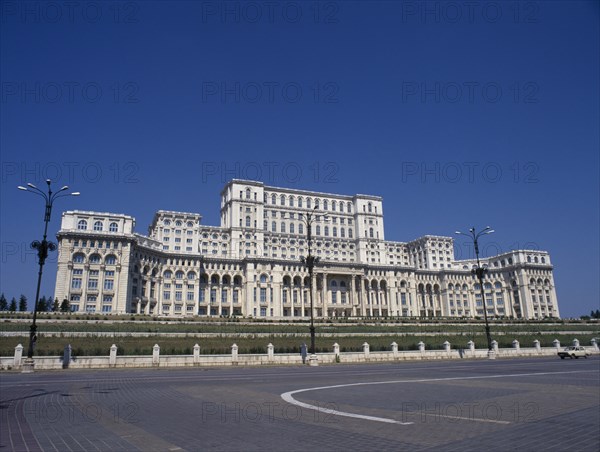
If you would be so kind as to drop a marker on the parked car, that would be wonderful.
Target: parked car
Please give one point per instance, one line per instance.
(574, 351)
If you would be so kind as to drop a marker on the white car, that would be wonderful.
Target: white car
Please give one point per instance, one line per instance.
(574, 351)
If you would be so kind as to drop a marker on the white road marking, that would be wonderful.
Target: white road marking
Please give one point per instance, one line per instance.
(288, 396)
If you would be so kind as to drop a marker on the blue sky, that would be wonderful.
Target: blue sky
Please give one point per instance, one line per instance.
(459, 114)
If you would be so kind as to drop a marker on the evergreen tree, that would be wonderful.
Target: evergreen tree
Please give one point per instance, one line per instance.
(3, 303)
(64, 306)
(41, 305)
(22, 303)
(13, 305)
(56, 306)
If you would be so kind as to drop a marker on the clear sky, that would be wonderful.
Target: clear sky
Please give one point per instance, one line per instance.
(458, 114)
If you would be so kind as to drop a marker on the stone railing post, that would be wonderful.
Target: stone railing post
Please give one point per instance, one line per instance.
(394, 349)
(536, 344)
(18, 356)
(234, 353)
(576, 342)
(156, 355)
(495, 346)
(421, 346)
(112, 359)
(270, 351)
(366, 350)
(336, 349)
(471, 346)
(196, 354)
(446, 346)
(594, 343)
(516, 345)
(556, 344)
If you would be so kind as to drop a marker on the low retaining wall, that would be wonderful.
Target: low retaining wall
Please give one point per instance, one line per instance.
(270, 358)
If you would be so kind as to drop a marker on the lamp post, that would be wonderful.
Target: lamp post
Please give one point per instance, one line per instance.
(309, 261)
(480, 271)
(42, 248)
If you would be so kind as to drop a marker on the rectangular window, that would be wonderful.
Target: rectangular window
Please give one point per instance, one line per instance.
(190, 296)
(178, 295)
(224, 296)
(167, 295)
(107, 308)
(236, 296)
(76, 283)
(107, 299)
(108, 284)
(202, 296)
(213, 295)
(263, 295)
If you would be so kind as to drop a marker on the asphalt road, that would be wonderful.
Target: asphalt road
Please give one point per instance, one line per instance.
(525, 404)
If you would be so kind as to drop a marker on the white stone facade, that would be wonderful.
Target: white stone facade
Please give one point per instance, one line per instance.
(250, 265)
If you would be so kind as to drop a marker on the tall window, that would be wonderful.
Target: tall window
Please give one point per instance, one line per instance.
(82, 224)
(98, 226)
(247, 222)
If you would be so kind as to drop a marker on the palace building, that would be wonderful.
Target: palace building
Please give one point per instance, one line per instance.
(251, 265)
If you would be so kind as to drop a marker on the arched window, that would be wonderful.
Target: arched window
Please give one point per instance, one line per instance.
(318, 230)
(371, 232)
(299, 202)
(191, 275)
(247, 222)
(95, 259)
(335, 231)
(333, 206)
(341, 207)
(82, 224)
(350, 233)
(178, 223)
(282, 200)
(326, 231)
(283, 226)
(263, 278)
(291, 201)
(528, 258)
(300, 228)
(370, 207)
(273, 199)
(168, 274)
(113, 227)
(316, 204)
(110, 259)
(247, 193)
(308, 203)
(334, 283)
(349, 205)
(291, 228)
(274, 226)
(342, 231)
(179, 275)
(325, 205)
(78, 258)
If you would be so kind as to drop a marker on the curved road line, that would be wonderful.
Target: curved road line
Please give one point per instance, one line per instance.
(288, 396)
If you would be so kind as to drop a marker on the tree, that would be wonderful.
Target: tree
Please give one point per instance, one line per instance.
(56, 305)
(41, 305)
(64, 306)
(22, 303)
(3, 303)
(13, 305)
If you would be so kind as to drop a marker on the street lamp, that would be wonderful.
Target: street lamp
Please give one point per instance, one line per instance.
(42, 248)
(479, 271)
(309, 261)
